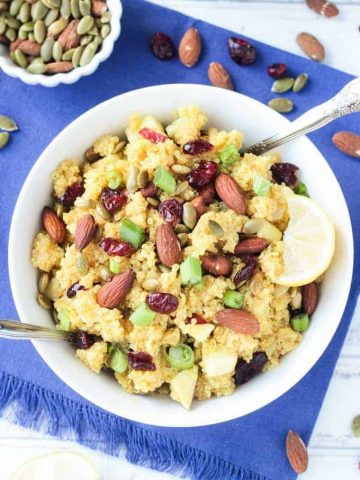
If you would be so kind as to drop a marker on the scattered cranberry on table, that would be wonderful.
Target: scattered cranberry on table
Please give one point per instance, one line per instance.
(241, 51)
(162, 46)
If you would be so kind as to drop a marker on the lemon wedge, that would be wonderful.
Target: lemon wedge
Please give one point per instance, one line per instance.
(309, 242)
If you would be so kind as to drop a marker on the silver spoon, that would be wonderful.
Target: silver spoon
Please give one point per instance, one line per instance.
(25, 331)
(345, 102)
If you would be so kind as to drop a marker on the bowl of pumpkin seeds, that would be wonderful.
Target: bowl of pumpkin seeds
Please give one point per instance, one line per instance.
(49, 42)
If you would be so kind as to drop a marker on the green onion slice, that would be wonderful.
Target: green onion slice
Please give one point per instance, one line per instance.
(180, 357)
(190, 271)
(233, 299)
(300, 323)
(64, 320)
(142, 316)
(301, 189)
(114, 179)
(229, 155)
(114, 266)
(164, 180)
(132, 233)
(118, 360)
(261, 186)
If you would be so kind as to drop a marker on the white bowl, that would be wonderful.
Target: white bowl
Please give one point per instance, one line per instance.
(9, 67)
(227, 110)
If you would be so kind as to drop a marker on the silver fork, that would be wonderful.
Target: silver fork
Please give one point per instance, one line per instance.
(25, 331)
(345, 102)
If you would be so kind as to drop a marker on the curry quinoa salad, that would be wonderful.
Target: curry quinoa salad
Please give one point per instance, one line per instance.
(175, 262)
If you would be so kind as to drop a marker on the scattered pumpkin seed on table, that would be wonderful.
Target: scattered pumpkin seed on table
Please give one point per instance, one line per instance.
(300, 82)
(281, 105)
(7, 124)
(282, 85)
(4, 138)
(355, 426)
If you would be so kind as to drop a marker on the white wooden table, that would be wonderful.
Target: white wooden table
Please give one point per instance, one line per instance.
(334, 453)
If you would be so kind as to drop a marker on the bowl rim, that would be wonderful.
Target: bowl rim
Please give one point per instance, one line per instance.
(279, 390)
(107, 47)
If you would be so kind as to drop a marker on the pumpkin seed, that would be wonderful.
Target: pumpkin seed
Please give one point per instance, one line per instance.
(51, 17)
(296, 300)
(105, 30)
(181, 228)
(59, 209)
(54, 290)
(180, 188)
(104, 273)
(22, 34)
(24, 14)
(216, 229)
(85, 7)
(12, 57)
(183, 239)
(82, 263)
(43, 301)
(43, 282)
(105, 17)
(57, 51)
(37, 68)
(154, 202)
(282, 85)
(91, 156)
(355, 426)
(15, 7)
(67, 56)
(132, 179)
(20, 58)
(97, 40)
(2, 25)
(253, 225)
(37, 60)
(74, 7)
(119, 147)
(28, 26)
(47, 49)
(77, 55)
(51, 3)
(189, 215)
(164, 268)
(55, 316)
(181, 169)
(13, 23)
(31, 37)
(300, 82)
(256, 284)
(85, 25)
(39, 31)
(86, 39)
(143, 179)
(65, 10)
(57, 27)
(98, 233)
(93, 31)
(10, 34)
(7, 123)
(4, 138)
(281, 105)
(150, 284)
(88, 54)
(38, 11)
(101, 210)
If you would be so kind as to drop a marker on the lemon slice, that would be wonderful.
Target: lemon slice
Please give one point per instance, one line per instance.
(57, 466)
(309, 242)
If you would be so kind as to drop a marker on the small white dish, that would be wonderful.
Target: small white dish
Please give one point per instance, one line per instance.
(227, 110)
(9, 67)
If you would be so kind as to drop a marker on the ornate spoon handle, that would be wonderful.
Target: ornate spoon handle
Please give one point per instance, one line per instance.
(24, 331)
(345, 102)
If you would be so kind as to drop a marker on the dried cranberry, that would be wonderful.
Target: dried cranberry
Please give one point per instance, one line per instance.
(247, 271)
(113, 200)
(277, 70)
(75, 287)
(241, 51)
(162, 46)
(149, 190)
(141, 361)
(154, 137)
(162, 302)
(171, 211)
(202, 175)
(246, 371)
(81, 339)
(199, 320)
(208, 193)
(284, 173)
(295, 311)
(72, 192)
(195, 147)
(114, 247)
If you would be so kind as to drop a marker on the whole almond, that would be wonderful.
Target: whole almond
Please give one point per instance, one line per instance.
(219, 77)
(85, 231)
(69, 37)
(53, 225)
(97, 8)
(296, 452)
(230, 193)
(190, 47)
(348, 143)
(114, 292)
(207, 193)
(59, 67)
(310, 297)
(240, 321)
(311, 46)
(199, 205)
(15, 44)
(322, 7)
(167, 245)
(29, 48)
(217, 265)
(251, 246)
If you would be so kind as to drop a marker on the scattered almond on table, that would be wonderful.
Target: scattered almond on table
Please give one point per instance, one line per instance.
(296, 452)
(311, 46)
(348, 143)
(190, 47)
(323, 7)
(219, 77)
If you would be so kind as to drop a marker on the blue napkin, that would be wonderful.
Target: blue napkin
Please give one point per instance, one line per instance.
(251, 447)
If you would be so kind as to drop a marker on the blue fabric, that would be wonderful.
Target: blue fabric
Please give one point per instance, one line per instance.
(249, 448)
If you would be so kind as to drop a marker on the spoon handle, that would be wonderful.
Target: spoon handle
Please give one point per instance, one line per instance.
(24, 331)
(345, 102)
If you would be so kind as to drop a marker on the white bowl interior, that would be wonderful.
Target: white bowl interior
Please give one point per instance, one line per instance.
(227, 110)
(8, 67)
